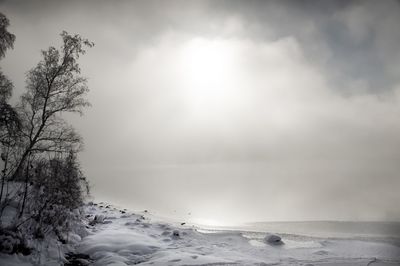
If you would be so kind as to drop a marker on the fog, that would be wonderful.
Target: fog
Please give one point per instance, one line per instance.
(232, 111)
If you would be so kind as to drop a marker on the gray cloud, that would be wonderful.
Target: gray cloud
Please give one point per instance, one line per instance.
(299, 121)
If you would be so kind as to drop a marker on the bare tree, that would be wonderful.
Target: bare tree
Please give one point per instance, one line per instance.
(54, 86)
(6, 111)
(39, 147)
(9, 121)
(6, 38)
(59, 188)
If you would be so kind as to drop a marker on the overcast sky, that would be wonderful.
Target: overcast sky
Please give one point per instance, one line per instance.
(233, 111)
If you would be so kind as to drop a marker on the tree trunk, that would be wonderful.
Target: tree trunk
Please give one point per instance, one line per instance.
(26, 189)
(3, 181)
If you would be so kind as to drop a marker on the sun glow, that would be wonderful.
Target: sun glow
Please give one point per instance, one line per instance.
(208, 71)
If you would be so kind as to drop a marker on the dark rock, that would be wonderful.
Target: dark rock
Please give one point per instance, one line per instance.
(77, 259)
(273, 239)
(176, 234)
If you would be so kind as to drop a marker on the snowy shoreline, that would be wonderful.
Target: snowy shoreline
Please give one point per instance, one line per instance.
(120, 237)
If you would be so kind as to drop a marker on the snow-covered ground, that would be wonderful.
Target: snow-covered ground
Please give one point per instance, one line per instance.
(121, 237)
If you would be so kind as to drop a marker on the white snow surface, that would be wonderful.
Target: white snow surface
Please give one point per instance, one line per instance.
(131, 238)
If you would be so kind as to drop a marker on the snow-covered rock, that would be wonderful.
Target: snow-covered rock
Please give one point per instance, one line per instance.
(175, 234)
(98, 219)
(273, 239)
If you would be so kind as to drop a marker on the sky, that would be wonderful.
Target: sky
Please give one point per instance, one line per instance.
(226, 112)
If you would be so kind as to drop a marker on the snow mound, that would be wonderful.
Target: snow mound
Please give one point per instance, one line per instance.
(117, 240)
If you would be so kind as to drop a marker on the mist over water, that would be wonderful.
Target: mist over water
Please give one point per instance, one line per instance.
(236, 193)
(330, 229)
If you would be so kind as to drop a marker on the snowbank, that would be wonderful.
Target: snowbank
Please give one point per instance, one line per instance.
(119, 237)
(126, 238)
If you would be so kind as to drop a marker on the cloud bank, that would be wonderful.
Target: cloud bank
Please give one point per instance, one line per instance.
(284, 110)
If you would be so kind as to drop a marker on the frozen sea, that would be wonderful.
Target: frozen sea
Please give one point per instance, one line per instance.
(123, 237)
(328, 229)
